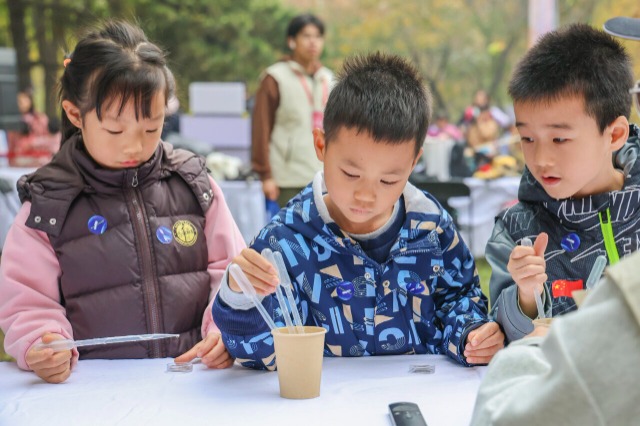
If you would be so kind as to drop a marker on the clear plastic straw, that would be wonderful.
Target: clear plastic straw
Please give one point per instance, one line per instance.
(66, 344)
(268, 254)
(596, 271)
(526, 242)
(250, 292)
(286, 283)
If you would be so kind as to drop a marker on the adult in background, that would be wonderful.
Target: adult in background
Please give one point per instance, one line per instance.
(289, 104)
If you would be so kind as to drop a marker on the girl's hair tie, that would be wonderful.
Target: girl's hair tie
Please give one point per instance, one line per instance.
(66, 62)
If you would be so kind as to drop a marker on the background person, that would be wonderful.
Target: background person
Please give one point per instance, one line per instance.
(289, 104)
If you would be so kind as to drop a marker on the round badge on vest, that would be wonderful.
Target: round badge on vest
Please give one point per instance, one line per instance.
(164, 235)
(345, 290)
(185, 233)
(570, 242)
(97, 224)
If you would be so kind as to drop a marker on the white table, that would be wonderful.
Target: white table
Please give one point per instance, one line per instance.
(354, 391)
(476, 213)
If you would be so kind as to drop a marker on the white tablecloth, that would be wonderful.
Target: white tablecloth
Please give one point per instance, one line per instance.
(354, 391)
(476, 213)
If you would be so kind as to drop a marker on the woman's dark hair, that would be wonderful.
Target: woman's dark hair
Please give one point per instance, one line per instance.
(114, 63)
(299, 22)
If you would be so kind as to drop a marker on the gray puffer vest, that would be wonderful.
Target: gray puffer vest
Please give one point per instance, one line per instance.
(130, 244)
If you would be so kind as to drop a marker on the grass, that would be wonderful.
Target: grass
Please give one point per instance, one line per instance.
(3, 356)
(483, 270)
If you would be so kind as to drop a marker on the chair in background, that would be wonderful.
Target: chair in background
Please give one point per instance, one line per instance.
(443, 191)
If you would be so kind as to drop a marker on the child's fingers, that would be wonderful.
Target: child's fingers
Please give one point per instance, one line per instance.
(215, 354)
(533, 282)
(519, 252)
(483, 352)
(540, 245)
(481, 333)
(188, 355)
(496, 339)
(258, 262)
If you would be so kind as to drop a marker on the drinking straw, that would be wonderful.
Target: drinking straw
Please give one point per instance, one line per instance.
(250, 292)
(65, 344)
(286, 283)
(526, 242)
(596, 271)
(268, 254)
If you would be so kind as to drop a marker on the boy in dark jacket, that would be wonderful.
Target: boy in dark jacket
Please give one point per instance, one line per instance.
(375, 261)
(572, 103)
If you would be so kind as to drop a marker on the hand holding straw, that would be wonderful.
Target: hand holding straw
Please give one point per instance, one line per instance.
(596, 271)
(286, 283)
(250, 292)
(526, 242)
(268, 254)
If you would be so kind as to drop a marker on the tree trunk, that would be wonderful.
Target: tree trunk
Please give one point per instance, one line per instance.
(47, 53)
(20, 42)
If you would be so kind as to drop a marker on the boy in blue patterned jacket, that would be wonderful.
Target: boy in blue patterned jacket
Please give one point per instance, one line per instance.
(375, 261)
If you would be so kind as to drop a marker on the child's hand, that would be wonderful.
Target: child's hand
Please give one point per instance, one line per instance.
(211, 351)
(50, 366)
(539, 331)
(258, 270)
(527, 268)
(483, 343)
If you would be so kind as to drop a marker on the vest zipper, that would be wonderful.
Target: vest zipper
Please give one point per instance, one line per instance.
(149, 280)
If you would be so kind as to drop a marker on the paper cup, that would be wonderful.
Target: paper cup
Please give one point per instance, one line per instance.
(299, 360)
(542, 322)
(579, 296)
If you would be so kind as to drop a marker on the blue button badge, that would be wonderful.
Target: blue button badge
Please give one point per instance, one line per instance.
(345, 290)
(415, 288)
(97, 224)
(570, 242)
(164, 235)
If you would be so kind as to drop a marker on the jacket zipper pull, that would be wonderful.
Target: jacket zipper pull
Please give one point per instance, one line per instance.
(134, 181)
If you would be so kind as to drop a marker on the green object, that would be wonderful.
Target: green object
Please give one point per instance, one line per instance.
(609, 240)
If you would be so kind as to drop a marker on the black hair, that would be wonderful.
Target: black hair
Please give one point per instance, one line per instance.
(114, 62)
(299, 22)
(577, 60)
(381, 94)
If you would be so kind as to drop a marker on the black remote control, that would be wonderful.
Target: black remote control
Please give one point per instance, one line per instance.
(406, 414)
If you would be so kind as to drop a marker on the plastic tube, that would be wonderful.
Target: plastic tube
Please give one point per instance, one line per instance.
(247, 288)
(66, 344)
(268, 254)
(526, 242)
(596, 271)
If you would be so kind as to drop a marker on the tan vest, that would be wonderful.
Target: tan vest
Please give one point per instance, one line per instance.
(291, 153)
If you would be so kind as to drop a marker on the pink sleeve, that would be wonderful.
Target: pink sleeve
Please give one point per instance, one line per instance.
(29, 296)
(225, 242)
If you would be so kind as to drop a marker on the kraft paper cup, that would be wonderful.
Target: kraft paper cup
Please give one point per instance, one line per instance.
(542, 322)
(299, 360)
(579, 296)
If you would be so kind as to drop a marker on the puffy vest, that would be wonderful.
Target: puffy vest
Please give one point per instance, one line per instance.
(291, 154)
(130, 245)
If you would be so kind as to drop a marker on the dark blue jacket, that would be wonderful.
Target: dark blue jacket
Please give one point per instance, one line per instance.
(575, 239)
(424, 298)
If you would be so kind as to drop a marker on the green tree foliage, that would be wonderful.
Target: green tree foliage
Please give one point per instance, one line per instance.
(224, 40)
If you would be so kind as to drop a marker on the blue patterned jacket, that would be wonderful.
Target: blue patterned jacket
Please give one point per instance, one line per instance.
(425, 298)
